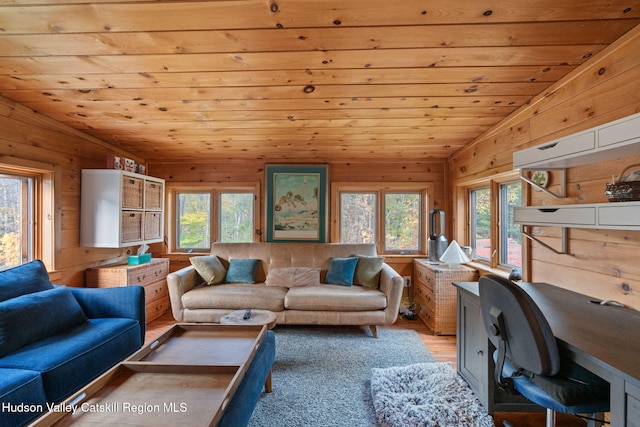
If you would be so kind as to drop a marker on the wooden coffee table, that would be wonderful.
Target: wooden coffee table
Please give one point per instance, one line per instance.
(185, 377)
(258, 317)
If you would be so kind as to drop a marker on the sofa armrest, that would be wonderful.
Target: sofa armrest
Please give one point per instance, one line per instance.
(179, 283)
(124, 302)
(391, 284)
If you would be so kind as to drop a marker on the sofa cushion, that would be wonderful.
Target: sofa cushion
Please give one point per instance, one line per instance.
(368, 271)
(24, 279)
(242, 270)
(341, 271)
(209, 268)
(292, 277)
(31, 317)
(70, 359)
(23, 393)
(235, 296)
(335, 298)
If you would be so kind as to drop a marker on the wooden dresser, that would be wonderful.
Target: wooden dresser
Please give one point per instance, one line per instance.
(435, 296)
(152, 275)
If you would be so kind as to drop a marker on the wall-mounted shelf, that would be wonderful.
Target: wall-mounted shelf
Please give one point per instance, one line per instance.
(611, 216)
(620, 138)
(120, 209)
(617, 139)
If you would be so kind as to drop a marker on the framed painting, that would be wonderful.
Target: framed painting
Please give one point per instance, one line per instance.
(296, 203)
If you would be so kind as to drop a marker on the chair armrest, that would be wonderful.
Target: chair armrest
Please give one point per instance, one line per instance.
(392, 285)
(179, 283)
(123, 302)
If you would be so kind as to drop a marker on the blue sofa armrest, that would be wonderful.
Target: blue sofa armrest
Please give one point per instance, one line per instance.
(248, 393)
(124, 302)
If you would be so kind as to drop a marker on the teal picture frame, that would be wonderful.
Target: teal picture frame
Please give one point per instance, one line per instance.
(296, 197)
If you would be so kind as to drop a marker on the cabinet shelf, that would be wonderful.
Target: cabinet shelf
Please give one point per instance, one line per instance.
(620, 138)
(120, 209)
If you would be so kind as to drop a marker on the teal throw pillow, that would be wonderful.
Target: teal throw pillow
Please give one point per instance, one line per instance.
(341, 271)
(242, 270)
(24, 279)
(368, 271)
(29, 318)
(209, 268)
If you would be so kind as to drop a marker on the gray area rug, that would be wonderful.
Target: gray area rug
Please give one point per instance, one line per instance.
(322, 375)
(425, 394)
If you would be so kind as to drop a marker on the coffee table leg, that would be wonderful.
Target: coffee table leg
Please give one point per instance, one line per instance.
(268, 385)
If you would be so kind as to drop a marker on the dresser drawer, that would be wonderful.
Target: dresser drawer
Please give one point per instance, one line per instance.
(156, 291)
(149, 274)
(156, 309)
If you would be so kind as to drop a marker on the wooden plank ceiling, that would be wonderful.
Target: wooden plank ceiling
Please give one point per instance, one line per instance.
(294, 80)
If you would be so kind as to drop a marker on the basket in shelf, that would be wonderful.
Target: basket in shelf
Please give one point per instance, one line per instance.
(152, 225)
(131, 226)
(131, 192)
(153, 195)
(623, 191)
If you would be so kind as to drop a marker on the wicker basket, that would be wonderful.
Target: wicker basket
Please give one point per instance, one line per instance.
(152, 225)
(623, 191)
(153, 195)
(131, 226)
(131, 192)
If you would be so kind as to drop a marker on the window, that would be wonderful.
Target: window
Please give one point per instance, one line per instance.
(510, 235)
(493, 235)
(480, 213)
(390, 215)
(206, 214)
(16, 220)
(27, 219)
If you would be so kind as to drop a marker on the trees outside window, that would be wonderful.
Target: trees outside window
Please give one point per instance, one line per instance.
(391, 215)
(16, 220)
(206, 214)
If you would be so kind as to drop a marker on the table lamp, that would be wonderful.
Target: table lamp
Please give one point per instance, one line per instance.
(454, 255)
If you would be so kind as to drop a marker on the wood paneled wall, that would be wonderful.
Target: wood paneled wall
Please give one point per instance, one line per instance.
(357, 171)
(26, 135)
(601, 263)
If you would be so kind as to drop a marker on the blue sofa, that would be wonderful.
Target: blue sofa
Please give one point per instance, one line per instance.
(248, 393)
(54, 340)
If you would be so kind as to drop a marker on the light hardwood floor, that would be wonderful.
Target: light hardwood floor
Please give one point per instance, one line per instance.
(443, 349)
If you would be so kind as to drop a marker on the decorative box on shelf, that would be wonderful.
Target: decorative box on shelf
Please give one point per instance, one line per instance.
(435, 295)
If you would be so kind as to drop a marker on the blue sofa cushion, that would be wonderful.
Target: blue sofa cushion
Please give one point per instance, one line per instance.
(341, 271)
(70, 359)
(31, 317)
(24, 279)
(242, 270)
(21, 396)
(246, 397)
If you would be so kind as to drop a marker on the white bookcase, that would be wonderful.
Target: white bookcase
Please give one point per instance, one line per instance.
(120, 209)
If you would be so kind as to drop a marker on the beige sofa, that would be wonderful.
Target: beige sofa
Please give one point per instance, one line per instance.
(192, 300)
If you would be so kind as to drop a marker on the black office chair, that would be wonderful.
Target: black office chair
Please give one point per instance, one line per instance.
(527, 360)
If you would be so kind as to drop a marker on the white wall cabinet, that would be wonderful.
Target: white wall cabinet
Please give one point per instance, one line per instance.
(612, 216)
(613, 140)
(620, 138)
(120, 209)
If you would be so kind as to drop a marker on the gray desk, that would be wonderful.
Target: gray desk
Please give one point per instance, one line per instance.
(603, 339)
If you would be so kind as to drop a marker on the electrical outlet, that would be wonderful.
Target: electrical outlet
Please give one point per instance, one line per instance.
(407, 281)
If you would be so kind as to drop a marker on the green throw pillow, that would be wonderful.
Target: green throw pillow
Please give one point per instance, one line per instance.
(368, 271)
(242, 270)
(209, 268)
(341, 271)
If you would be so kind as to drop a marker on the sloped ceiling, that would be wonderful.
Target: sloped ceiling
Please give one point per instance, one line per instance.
(323, 80)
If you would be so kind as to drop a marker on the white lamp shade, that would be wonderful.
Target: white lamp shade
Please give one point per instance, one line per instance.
(454, 255)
